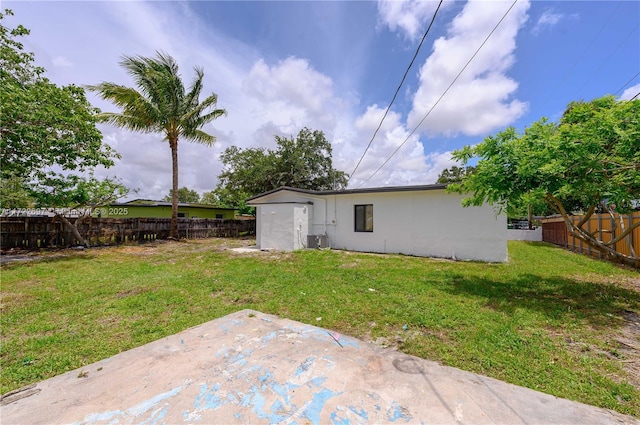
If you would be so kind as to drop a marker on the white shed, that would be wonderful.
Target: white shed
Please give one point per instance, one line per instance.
(414, 220)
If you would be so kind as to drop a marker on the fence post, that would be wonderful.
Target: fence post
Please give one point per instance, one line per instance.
(589, 230)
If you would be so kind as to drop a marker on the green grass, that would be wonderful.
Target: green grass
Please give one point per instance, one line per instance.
(548, 320)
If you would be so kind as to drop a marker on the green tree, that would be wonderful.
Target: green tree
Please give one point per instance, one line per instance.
(222, 197)
(161, 105)
(589, 160)
(453, 174)
(303, 162)
(42, 126)
(73, 193)
(306, 162)
(247, 171)
(14, 193)
(184, 195)
(48, 137)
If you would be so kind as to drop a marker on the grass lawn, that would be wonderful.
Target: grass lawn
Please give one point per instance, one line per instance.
(550, 320)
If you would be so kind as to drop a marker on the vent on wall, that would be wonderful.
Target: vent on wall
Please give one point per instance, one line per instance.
(317, 241)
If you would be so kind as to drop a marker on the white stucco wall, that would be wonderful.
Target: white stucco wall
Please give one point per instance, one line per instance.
(283, 226)
(429, 223)
(534, 235)
(424, 223)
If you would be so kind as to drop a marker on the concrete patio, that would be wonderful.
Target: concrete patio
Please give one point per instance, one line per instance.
(249, 367)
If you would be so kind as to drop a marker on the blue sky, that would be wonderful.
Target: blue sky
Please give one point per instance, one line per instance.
(334, 66)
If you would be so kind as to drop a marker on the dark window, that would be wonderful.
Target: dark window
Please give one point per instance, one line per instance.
(219, 216)
(182, 215)
(364, 218)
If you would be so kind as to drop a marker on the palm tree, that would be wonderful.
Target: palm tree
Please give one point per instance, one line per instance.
(161, 105)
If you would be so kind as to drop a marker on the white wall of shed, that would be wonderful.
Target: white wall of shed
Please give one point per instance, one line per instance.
(283, 227)
(276, 227)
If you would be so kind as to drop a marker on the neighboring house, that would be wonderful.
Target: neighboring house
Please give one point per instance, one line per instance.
(414, 220)
(142, 208)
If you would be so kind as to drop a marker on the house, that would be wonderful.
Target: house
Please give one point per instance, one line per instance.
(414, 220)
(143, 208)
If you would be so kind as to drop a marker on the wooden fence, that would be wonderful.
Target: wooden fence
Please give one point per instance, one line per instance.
(49, 232)
(554, 230)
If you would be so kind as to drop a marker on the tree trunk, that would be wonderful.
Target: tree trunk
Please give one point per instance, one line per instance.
(74, 229)
(173, 143)
(609, 252)
(576, 230)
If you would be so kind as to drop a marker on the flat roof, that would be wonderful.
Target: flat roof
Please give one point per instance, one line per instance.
(151, 203)
(352, 191)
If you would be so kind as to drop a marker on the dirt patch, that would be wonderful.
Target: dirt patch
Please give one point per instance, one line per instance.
(629, 347)
(9, 300)
(395, 339)
(131, 292)
(352, 265)
(628, 282)
(623, 347)
(138, 250)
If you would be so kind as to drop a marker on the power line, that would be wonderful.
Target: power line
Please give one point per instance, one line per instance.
(608, 57)
(636, 96)
(581, 55)
(627, 83)
(397, 91)
(443, 94)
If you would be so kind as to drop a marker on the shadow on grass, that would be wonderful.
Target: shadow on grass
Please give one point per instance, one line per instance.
(558, 298)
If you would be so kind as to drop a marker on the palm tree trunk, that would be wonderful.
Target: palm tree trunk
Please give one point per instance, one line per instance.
(174, 195)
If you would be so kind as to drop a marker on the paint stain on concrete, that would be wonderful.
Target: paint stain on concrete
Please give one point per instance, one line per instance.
(250, 391)
(148, 412)
(304, 366)
(349, 415)
(397, 412)
(314, 408)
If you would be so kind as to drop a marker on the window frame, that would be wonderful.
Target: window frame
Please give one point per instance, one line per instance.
(360, 217)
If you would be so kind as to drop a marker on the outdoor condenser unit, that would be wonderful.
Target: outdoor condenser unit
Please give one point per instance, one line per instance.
(317, 241)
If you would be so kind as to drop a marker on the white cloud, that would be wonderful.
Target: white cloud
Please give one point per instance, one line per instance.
(95, 37)
(482, 98)
(410, 166)
(289, 96)
(267, 96)
(408, 17)
(630, 92)
(548, 19)
(61, 61)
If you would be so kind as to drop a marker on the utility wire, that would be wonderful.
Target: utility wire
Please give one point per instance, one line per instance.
(608, 57)
(397, 91)
(443, 94)
(627, 83)
(560, 83)
(636, 96)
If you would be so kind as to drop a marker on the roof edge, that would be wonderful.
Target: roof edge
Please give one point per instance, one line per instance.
(414, 188)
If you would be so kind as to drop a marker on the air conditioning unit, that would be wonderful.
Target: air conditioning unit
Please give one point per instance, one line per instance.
(317, 241)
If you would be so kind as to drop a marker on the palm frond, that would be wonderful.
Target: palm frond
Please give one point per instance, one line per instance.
(201, 137)
(130, 122)
(207, 118)
(133, 103)
(195, 114)
(191, 99)
(160, 103)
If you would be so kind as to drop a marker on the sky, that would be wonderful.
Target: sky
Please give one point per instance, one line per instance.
(334, 66)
